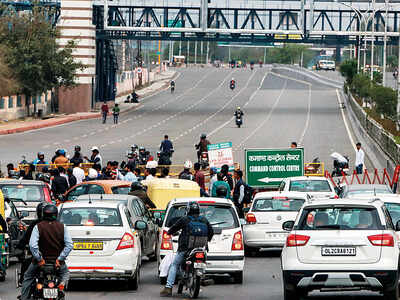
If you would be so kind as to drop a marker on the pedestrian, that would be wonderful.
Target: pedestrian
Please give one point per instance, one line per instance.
(92, 174)
(239, 193)
(116, 110)
(360, 155)
(95, 158)
(166, 145)
(220, 181)
(59, 184)
(104, 111)
(227, 177)
(164, 173)
(130, 175)
(97, 167)
(61, 159)
(29, 175)
(199, 176)
(62, 173)
(293, 145)
(151, 170)
(78, 173)
(135, 97)
(213, 178)
(138, 173)
(71, 178)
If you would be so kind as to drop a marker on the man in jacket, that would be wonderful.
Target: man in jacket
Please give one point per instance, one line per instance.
(59, 184)
(139, 191)
(50, 242)
(193, 210)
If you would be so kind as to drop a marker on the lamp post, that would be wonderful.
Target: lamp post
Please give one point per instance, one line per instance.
(385, 43)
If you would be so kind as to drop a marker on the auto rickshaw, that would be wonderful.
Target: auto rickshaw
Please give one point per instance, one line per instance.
(4, 256)
(162, 190)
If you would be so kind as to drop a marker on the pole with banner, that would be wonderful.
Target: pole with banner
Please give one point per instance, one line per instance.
(268, 167)
(220, 154)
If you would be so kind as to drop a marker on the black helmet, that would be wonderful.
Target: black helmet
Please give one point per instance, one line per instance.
(136, 186)
(193, 209)
(50, 212)
(77, 148)
(221, 191)
(203, 136)
(39, 210)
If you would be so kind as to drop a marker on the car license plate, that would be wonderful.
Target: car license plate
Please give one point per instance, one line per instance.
(50, 293)
(275, 235)
(338, 251)
(199, 265)
(88, 245)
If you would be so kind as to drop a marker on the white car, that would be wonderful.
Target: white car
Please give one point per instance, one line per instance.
(314, 186)
(226, 249)
(106, 242)
(268, 211)
(341, 244)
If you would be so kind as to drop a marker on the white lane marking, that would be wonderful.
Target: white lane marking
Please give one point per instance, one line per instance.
(221, 109)
(308, 117)
(265, 120)
(345, 121)
(248, 101)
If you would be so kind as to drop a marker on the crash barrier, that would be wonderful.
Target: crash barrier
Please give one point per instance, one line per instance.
(314, 169)
(365, 178)
(39, 167)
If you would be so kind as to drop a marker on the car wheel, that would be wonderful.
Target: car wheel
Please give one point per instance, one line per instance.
(133, 282)
(392, 294)
(290, 294)
(238, 277)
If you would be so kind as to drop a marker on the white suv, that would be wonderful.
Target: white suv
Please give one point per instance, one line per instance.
(341, 244)
(314, 186)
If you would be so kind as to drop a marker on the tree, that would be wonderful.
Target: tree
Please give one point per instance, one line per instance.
(31, 51)
(385, 99)
(392, 61)
(348, 69)
(361, 85)
(8, 83)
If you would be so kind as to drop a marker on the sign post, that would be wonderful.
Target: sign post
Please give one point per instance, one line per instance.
(268, 167)
(220, 154)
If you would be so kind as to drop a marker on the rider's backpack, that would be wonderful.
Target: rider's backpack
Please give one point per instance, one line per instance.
(198, 232)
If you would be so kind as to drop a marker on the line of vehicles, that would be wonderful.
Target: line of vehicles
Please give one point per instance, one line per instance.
(330, 241)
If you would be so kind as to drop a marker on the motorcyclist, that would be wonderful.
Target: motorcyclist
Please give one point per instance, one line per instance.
(132, 159)
(186, 173)
(202, 146)
(232, 83)
(193, 211)
(172, 84)
(166, 150)
(238, 113)
(142, 156)
(134, 149)
(50, 242)
(40, 159)
(77, 155)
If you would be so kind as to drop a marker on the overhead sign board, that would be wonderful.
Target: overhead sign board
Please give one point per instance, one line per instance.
(220, 154)
(268, 167)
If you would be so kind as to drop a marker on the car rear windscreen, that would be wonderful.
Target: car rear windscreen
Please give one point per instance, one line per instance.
(28, 193)
(219, 216)
(123, 190)
(309, 186)
(340, 218)
(368, 192)
(277, 204)
(90, 217)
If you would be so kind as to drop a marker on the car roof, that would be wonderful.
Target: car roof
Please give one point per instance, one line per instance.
(110, 183)
(20, 182)
(201, 200)
(282, 194)
(307, 178)
(361, 187)
(344, 201)
(94, 204)
(105, 197)
(382, 197)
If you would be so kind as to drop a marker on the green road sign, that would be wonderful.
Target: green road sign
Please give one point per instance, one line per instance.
(268, 167)
(178, 23)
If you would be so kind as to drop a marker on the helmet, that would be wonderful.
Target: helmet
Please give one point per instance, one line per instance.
(40, 154)
(77, 148)
(61, 152)
(39, 210)
(94, 148)
(238, 108)
(50, 212)
(193, 209)
(203, 136)
(134, 146)
(136, 186)
(92, 173)
(188, 164)
(221, 191)
(130, 154)
(142, 149)
(151, 164)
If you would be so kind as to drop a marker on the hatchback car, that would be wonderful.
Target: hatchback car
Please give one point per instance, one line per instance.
(98, 187)
(315, 186)
(31, 192)
(105, 241)
(268, 211)
(361, 190)
(226, 249)
(138, 211)
(341, 244)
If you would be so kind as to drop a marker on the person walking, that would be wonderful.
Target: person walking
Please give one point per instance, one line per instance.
(116, 110)
(104, 111)
(360, 155)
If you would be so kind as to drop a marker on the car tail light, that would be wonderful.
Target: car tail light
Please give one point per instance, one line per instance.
(251, 218)
(126, 242)
(382, 240)
(296, 240)
(46, 192)
(166, 241)
(237, 243)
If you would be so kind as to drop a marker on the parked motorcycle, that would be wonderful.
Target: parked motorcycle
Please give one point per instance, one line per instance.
(340, 164)
(47, 283)
(239, 121)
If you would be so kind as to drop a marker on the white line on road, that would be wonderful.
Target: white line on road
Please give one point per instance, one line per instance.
(345, 121)
(308, 117)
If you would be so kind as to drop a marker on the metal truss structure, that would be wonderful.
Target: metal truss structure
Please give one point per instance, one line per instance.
(7, 7)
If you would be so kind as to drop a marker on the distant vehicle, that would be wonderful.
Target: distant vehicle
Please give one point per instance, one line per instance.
(326, 65)
(358, 190)
(375, 68)
(314, 186)
(178, 60)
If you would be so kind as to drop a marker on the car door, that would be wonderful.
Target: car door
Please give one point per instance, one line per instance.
(139, 216)
(76, 192)
(152, 228)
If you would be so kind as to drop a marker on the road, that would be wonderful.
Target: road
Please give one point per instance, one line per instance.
(280, 106)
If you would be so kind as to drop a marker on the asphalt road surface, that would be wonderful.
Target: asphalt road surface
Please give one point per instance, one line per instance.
(280, 107)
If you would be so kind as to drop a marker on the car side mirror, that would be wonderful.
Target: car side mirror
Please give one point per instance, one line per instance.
(140, 225)
(288, 225)
(398, 226)
(23, 214)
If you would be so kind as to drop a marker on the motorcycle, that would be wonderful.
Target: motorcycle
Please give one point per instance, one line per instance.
(172, 89)
(204, 160)
(232, 86)
(340, 164)
(239, 121)
(193, 272)
(47, 283)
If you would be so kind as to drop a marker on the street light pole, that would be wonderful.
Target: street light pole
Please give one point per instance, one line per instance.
(385, 43)
(372, 42)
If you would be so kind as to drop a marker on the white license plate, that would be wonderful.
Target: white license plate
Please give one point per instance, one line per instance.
(199, 265)
(50, 293)
(338, 251)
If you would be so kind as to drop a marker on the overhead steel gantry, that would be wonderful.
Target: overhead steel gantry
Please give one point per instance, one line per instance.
(249, 25)
(7, 7)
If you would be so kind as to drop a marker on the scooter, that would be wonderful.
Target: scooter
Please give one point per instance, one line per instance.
(340, 164)
(239, 121)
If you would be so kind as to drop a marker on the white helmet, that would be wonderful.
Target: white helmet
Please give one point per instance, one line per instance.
(151, 164)
(188, 164)
(92, 174)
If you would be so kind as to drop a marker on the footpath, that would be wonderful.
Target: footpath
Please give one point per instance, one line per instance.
(161, 82)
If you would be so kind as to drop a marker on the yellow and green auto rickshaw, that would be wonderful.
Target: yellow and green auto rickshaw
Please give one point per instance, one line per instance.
(162, 190)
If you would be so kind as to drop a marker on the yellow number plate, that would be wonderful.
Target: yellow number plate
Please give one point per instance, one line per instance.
(88, 246)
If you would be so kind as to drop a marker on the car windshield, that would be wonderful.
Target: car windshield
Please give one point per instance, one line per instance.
(368, 192)
(124, 190)
(343, 218)
(89, 216)
(309, 186)
(394, 210)
(219, 216)
(278, 204)
(28, 193)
